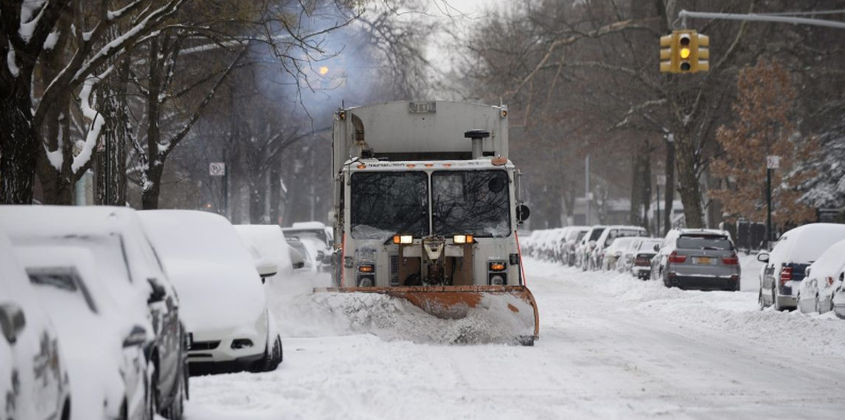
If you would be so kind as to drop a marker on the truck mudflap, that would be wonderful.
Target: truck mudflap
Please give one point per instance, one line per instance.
(514, 305)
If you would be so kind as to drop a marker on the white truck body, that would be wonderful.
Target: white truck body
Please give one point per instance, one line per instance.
(422, 145)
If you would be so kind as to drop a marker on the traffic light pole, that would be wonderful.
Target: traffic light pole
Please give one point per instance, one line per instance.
(754, 17)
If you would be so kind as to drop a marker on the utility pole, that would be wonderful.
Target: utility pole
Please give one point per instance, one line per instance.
(661, 181)
(587, 195)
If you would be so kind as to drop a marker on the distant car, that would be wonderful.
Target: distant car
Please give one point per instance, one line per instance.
(573, 235)
(638, 260)
(267, 243)
(839, 298)
(615, 253)
(785, 266)
(824, 276)
(299, 256)
(313, 236)
(607, 237)
(105, 343)
(223, 301)
(137, 280)
(34, 381)
(585, 246)
(697, 258)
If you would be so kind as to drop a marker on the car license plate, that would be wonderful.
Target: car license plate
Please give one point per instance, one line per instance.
(703, 260)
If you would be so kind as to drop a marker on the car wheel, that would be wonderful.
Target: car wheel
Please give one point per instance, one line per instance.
(273, 357)
(152, 394)
(177, 405)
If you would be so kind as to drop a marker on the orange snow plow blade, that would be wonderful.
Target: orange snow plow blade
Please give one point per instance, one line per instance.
(513, 307)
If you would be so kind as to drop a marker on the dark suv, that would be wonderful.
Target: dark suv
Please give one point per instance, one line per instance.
(697, 258)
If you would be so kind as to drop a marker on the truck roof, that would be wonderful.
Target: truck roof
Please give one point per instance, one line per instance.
(417, 131)
(359, 165)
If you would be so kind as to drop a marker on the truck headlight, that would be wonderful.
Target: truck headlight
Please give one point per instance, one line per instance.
(463, 239)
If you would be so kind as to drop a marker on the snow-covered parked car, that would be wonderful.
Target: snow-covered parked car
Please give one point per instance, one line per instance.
(586, 245)
(615, 253)
(136, 280)
(638, 259)
(570, 241)
(786, 265)
(608, 236)
(34, 382)
(824, 276)
(697, 258)
(267, 244)
(103, 343)
(315, 238)
(223, 302)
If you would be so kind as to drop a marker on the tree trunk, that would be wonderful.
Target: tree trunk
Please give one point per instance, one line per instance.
(688, 186)
(18, 144)
(110, 166)
(275, 193)
(669, 198)
(149, 197)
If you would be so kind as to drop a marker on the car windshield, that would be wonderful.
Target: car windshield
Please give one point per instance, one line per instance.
(594, 235)
(387, 203)
(316, 234)
(707, 242)
(471, 202)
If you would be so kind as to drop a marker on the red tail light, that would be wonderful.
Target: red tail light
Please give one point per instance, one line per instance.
(785, 274)
(642, 261)
(675, 258)
(732, 260)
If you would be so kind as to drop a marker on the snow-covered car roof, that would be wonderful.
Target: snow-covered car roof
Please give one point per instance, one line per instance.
(270, 244)
(831, 262)
(308, 225)
(806, 243)
(114, 234)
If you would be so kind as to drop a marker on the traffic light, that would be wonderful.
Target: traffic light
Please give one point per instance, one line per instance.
(682, 52)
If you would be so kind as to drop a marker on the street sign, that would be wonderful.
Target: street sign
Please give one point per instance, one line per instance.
(217, 168)
(661, 180)
(772, 162)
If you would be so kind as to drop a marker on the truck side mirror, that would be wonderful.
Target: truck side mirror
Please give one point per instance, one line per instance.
(522, 213)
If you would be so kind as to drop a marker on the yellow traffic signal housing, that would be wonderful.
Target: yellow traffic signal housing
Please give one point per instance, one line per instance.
(667, 47)
(682, 52)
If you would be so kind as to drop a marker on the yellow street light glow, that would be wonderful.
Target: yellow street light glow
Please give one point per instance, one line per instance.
(323, 70)
(685, 52)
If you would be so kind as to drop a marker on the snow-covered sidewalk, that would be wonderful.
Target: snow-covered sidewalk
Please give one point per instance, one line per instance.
(611, 347)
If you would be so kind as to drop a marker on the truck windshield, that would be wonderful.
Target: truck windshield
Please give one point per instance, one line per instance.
(387, 203)
(471, 202)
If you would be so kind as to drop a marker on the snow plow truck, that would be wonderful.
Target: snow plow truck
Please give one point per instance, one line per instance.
(426, 209)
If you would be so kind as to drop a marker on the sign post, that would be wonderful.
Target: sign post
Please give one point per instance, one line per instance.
(772, 163)
(661, 182)
(216, 169)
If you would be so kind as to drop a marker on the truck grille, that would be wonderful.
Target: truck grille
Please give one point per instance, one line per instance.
(394, 270)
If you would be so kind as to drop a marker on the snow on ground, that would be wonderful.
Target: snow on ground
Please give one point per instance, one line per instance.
(611, 346)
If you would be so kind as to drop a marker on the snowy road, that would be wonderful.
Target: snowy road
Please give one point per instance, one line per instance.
(610, 347)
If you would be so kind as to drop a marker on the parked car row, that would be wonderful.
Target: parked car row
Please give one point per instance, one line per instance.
(106, 311)
(805, 269)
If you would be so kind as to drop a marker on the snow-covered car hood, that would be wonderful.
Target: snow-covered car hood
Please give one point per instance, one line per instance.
(216, 296)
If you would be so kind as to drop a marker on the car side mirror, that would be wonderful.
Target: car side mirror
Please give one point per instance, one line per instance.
(136, 337)
(12, 321)
(656, 248)
(266, 269)
(807, 272)
(158, 294)
(763, 257)
(522, 213)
